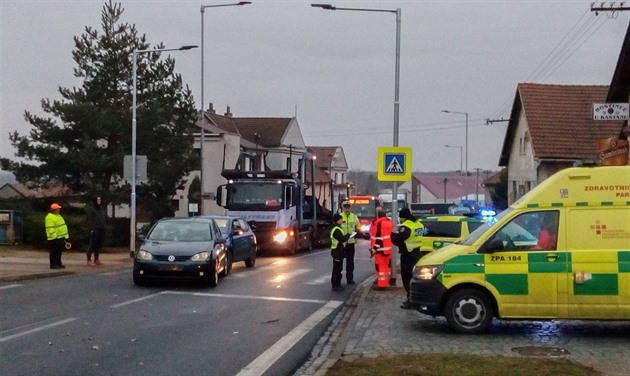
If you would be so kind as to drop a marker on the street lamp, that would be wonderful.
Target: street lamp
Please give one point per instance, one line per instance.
(460, 155)
(462, 113)
(202, 139)
(132, 242)
(397, 12)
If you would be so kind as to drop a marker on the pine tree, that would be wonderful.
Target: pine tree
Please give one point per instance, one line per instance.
(83, 142)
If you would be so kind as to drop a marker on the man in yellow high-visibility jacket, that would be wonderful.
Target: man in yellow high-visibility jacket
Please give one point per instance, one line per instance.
(56, 234)
(350, 224)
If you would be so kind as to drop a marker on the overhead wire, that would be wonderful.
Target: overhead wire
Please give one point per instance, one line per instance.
(375, 131)
(561, 52)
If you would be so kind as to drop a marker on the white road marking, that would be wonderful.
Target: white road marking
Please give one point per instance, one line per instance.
(270, 298)
(319, 281)
(135, 300)
(230, 296)
(286, 276)
(284, 344)
(10, 286)
(38, 329)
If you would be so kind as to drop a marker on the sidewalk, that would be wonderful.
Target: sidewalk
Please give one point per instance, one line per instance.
(372, 324)
(17, 263)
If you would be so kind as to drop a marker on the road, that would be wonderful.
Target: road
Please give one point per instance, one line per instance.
(259, 321)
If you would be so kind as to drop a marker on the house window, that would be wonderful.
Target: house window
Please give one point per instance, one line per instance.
(521, 146)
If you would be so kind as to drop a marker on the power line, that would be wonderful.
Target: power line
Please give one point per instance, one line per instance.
(377, 131)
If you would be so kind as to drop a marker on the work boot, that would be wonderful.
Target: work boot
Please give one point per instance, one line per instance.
(405, 305)
(352, 283)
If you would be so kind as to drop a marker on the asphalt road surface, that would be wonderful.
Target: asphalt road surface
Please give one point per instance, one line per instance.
(259, 321)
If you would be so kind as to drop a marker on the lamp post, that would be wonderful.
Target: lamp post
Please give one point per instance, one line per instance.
(461, 166)
(132, 242)
(462, 113)
(397, 12)
(202, 138)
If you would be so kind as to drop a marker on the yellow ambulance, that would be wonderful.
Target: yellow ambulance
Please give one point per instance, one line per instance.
(561, 251)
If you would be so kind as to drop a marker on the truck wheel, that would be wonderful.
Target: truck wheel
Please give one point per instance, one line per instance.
(469, 311)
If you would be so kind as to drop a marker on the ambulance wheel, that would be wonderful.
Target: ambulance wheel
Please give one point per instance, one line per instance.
(469, 311)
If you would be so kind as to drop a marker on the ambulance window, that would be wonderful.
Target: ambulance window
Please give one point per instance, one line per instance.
(516, 235)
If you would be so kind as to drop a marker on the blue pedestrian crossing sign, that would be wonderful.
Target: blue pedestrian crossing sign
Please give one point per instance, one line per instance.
(394, 163)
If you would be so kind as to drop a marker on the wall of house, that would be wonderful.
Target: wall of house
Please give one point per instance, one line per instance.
(277, 157)
(213, 150)
(522, 168)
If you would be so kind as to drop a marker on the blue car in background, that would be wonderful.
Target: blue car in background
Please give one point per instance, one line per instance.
(240, 240)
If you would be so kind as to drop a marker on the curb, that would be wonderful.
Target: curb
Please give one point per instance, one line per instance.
(341, 342)
(27, 277)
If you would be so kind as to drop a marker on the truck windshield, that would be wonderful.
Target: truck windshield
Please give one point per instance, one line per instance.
(470, 239)
(255, 196)
(364, 210)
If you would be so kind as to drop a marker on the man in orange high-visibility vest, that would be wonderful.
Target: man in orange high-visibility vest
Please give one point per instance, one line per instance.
(381, 247)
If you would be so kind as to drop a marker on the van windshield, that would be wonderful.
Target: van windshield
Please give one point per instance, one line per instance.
(470, 239)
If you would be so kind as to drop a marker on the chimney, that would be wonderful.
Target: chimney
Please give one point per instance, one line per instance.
(210, 109)
(228, 113)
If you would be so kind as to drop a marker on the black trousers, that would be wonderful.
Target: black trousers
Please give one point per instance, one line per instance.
(407, 261)
(55, 249)
(337, 255)
(97, 236)
(349, 256)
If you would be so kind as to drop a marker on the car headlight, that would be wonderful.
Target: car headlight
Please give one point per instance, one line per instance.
(427, 272)
(280, 237)
(365, 228)
(201, 256)
(143, 255)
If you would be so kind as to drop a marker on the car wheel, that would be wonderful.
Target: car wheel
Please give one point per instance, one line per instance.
(251, 261)
(212, 279)
(469, 311)
(138, 280)
(229, 260)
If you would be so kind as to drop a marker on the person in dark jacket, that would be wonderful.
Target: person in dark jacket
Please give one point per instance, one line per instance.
(338, 239)
(97, 220)
(408, 239)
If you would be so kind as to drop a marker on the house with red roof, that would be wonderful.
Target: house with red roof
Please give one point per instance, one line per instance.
(551, 127)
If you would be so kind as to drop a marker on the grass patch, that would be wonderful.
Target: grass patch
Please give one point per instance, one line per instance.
(457, 364)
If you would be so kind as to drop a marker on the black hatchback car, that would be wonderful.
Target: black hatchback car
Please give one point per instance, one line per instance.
(240, 240)
(182, 249)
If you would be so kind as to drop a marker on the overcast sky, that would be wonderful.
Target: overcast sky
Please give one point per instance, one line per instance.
(335, 69)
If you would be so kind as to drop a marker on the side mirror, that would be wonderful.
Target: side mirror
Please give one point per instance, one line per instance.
(141, 237)
(252, 224)
(219, 241)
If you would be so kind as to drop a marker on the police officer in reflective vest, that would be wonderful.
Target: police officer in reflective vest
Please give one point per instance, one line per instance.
(408, 239)
(338, 239)
(381, 247)
(350, 224)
